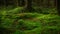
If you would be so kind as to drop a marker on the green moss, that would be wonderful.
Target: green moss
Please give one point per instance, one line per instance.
(30, 23)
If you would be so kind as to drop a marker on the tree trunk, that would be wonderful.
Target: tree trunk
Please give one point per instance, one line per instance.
(42, 2)
(48, 4)
(21, 2)
(28, 5)
(15, 3)
(54, 2)
(58, 7)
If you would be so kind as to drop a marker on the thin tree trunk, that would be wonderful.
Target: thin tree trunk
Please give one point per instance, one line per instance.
(48, 4)
(28, 5)
(4, 3)
(42, 3)
(17, 3)
(21, 2)
(58, 7)
(55, 3)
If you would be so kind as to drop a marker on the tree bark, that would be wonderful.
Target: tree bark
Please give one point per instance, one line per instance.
(28, 5)
(58, 7)
(21, 2)
(48, 4)
(55, 2)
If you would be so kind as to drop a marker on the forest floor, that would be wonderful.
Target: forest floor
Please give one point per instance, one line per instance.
(29, 23)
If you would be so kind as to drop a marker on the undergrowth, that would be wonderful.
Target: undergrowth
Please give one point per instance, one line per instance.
(29, 23)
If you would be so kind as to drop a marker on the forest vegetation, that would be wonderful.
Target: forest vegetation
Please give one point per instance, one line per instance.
(29, 16)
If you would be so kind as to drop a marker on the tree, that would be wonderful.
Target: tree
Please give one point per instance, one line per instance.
(21, 2)
(48, 4)
(28, 5)
(58, 7)
(54, 2)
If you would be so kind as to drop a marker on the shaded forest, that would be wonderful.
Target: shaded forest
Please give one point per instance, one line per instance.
(29, 16)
